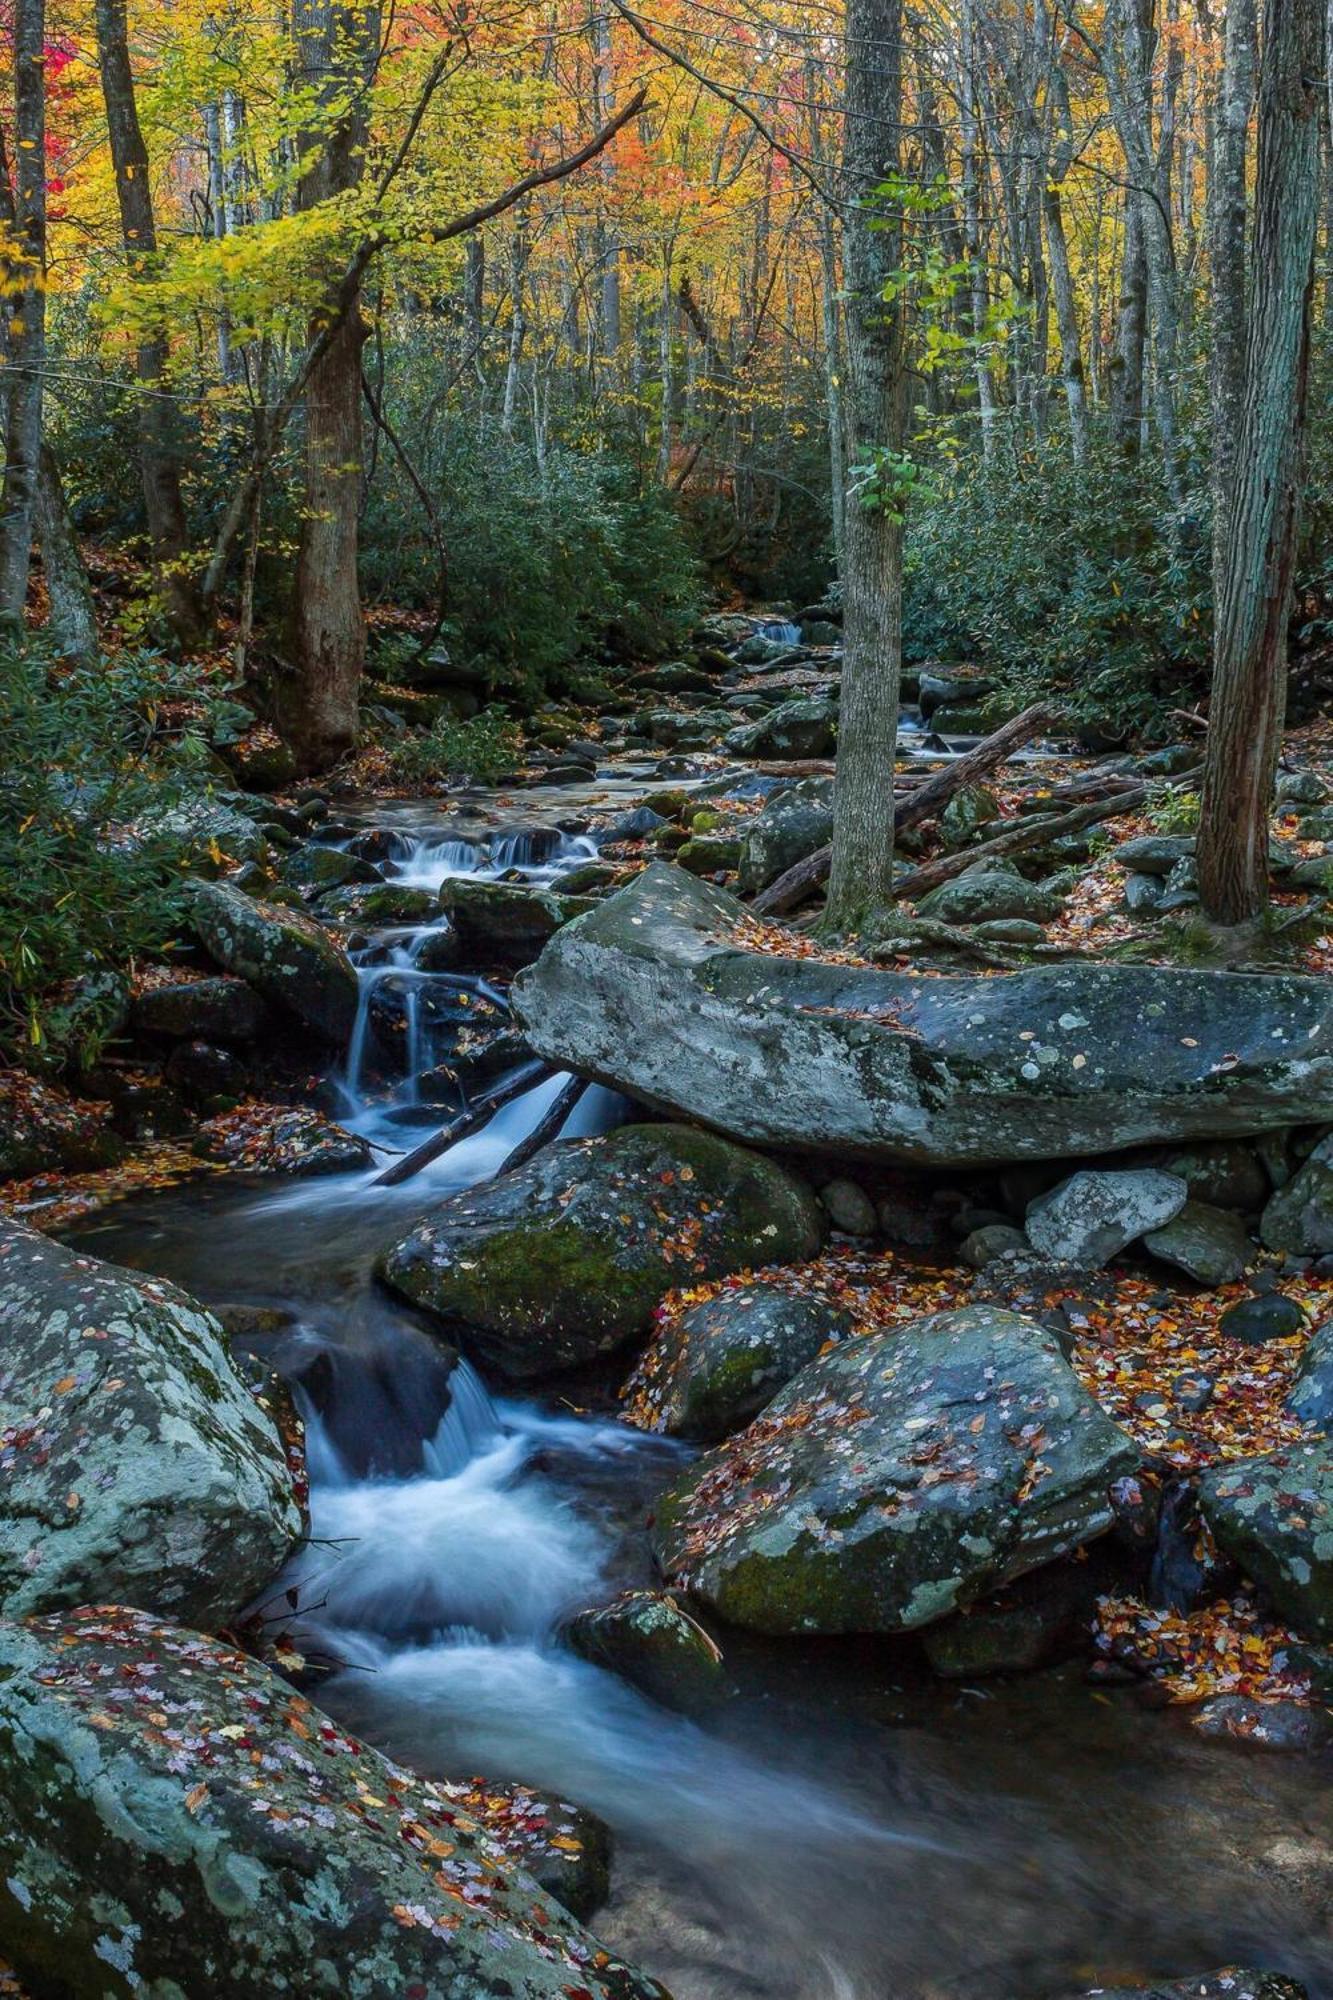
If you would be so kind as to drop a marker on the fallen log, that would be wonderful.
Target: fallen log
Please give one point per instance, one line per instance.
(546, 1128)
(910, 807)
(1034, 831)
(465, 1124)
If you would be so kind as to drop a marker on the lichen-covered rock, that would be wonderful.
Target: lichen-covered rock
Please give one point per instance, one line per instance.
(43, 1128)
(898, 1478)
(506, 923)
(1232, 1982)
(649, 1640)
(179, 1821)
(135, 1464)
(1088, 1218)
(283, 954)
(1299, 1216)
(806, 727)
(1311, 1394)
(1210, 1245)
(984, 895)
(652, 993)
(1274, 1516)
(566, 1258)
(793, 824)
(722, 1360)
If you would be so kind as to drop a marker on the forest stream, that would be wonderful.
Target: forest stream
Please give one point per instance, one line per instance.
(844, 1828)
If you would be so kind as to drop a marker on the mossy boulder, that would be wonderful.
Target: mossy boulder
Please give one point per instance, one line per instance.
(651, 1641)
(793, 824)
(1274, 1516)
(807, 727)
(566, 1259)
(897, 1479)
(1211, 1245)
(315, 868)
(377, 903)
(1311, 1394)
(986, 895)
(721, 1361)
(283, 954)
(506, 923)
(135, 1465)
(179, 1821)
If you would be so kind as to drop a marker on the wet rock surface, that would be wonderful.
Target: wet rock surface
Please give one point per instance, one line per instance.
(283, 954)
(729, 1356)
(648, 1638)
(1274, 1515)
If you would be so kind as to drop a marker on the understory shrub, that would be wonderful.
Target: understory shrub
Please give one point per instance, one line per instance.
(483, 748)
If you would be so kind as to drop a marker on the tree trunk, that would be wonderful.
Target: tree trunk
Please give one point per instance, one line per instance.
(1131, 333)
(23, 288)
(1259, 549)
(73, 619)
(861, 874)
(1227, 205)
(336, 50)
(159, 444)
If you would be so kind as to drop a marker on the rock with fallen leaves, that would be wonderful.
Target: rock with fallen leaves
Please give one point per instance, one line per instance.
(283, 954)
(566, 1258)
(177, 1819)
(651, 1641)
(1274, 1515)
(280, 1139)
(134, 1462)
(652, 993)
(43, 1128)
(1311, 1394)
(216, 1009)
(1087, 1219)
(729, 1355)
(897, 1479)
(1233, 1982)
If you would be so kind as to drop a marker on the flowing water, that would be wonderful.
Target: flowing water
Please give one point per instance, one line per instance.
(845, 1829)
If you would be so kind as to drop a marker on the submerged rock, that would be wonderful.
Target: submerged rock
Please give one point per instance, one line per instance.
(283, 954)
(135, 1463)
(566, 1259)
(1274, 1515)
(897, 1479)
(646, 1638)
(728, 1356)
(650, 993)
(1089, 1218)
(179, 1821)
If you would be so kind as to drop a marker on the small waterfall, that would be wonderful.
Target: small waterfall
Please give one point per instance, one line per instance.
(781, 631)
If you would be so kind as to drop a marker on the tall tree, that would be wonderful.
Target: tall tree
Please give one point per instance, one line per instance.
(336, 51)
(23, 302)
(159, 430)
(1262, 510)
(861, 874)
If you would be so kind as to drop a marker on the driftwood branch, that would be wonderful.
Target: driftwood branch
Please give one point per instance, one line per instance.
(1034, 831)
(922, 802)
(465, 1124)
(546, 1129)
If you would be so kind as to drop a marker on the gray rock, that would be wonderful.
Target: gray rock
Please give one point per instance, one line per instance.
(1143, 892)
(649, 993)
(724, 1359)
(138, 1468)
(1209, 1244)
(1263, 1725)
(897, 1479)
(1180, 891)
(317, 868)
(985, 895)
(1232, 1982)
(1300, 788)
(1311, 1394)
(506, 923)
(220, 1010)
(794, 824)
(1154, 853)
(283, 954)
(1274, 1516)
(1009, 930)
(648, 1639)
(849, 1208)
(1224, 1172)
(1087, 1219)
(43, 1127)
(993, 1240)
(177, 1820)
(940, 688)
(1299, 1216)
(1267, 1316)
(966, 813)
(202, 833)
(803, 728)
(567, 1258)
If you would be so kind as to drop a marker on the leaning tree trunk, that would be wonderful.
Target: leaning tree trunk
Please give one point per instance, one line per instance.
(861, 873)
(159, 441)
(1259, 549)
(336, 48)
(24, 288)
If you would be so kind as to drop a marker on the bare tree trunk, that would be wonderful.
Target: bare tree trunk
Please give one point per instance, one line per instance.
(159, 445)
(972, 244)
(73, 619)
(861, 874)
(1259, 552)
(1131, 333)
(336, 50)
(1227, 203)
(831, 321)
(1062, 283)
(23, 286)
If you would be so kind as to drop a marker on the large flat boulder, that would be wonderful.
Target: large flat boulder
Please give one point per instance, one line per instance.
(135, 1465)
(177, 1820)
(565, 1259)
(896, 1479)
(651, 993)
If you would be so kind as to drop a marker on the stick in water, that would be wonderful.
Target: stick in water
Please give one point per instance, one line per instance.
(546, 1128)
(465, 1124)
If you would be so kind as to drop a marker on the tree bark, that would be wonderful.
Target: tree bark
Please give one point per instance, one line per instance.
(1259, 549)
(1131, 334)
(23, 288)
(159, 443)
(336, 51)
(861, 872)
(73, 619)
(1227, 204)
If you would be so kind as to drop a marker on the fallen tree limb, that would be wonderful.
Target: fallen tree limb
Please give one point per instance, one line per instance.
(547, 1127)
(910, 807)
(465, 1124)
(1034, 831)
